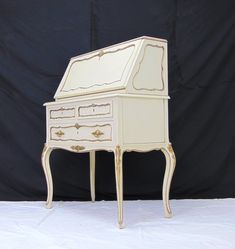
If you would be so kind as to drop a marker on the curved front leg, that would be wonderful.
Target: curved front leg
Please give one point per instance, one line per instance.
(46, 167)
(170, 167)
(119, 183)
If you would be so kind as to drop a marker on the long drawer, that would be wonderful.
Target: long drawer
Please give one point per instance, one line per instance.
(89, 132)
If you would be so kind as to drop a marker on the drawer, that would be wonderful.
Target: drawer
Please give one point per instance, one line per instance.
(62, 112)
(92, 132)
(95, 109)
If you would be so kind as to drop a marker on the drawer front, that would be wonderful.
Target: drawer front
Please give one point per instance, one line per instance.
(62, 112)
(95, 109)
(82, 132)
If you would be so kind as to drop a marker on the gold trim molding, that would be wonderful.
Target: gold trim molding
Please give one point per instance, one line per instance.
(162, 69)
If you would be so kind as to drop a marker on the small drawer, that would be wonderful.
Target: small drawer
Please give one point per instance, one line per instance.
(95, 109)
(82, 132)
(62, 112)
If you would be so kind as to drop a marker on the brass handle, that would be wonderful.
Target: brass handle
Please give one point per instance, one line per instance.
(77, 148)
(97, 133)
(59, 133)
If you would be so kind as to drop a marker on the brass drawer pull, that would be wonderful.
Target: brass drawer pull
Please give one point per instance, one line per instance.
(97, 133)
(77, 148)
(59, 133)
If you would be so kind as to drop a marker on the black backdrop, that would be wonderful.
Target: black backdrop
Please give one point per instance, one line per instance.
(37, 38)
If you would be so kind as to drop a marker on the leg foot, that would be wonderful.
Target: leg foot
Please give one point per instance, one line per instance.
(92, 175)
(47, 171)
(119, 183)
(170, 167)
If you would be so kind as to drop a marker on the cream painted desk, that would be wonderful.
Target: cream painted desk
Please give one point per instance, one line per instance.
(114, 99)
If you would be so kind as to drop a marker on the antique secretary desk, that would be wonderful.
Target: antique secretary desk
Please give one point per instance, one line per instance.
(113, 99)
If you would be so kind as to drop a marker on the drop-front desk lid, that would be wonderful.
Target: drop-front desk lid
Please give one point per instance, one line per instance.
(137, 66)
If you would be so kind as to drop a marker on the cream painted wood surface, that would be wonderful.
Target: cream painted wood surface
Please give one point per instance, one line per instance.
(114, 99)
(143, 120)
(100, 62)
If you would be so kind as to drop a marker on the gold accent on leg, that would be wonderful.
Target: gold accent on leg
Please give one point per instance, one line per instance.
(47, 171)
(170, 148)
(170, 167)
(119, 183)
(92, 174)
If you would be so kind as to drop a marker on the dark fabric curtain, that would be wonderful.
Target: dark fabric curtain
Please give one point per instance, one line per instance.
(37, 39)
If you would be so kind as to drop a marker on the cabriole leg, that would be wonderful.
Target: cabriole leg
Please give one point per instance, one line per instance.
(170, 167)
(46, 167)
(92, 174)
(118, 154)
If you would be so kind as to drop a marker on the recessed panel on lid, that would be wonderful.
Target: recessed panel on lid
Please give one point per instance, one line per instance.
(102, 70)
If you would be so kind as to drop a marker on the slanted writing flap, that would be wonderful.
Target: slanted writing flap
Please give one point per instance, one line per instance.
(98, 71)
